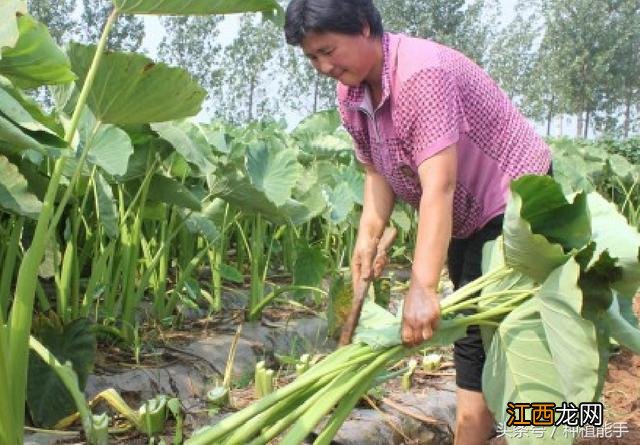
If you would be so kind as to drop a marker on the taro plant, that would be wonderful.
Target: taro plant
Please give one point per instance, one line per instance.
(118, 88)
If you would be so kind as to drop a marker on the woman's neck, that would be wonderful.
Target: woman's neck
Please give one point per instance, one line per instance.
(374, 77)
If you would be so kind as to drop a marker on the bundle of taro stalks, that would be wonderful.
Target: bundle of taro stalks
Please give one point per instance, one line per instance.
(557, 286)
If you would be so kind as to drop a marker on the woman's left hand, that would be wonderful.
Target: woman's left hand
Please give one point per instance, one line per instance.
(420, 315)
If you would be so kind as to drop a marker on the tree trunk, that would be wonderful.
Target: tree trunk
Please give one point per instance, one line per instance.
(252, 87)
(627, 116)
(579, 125)
(586, 123)
(316, 90)
(550, 116)
(561, 125)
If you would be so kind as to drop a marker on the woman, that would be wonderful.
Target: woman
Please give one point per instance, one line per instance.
(431, 128)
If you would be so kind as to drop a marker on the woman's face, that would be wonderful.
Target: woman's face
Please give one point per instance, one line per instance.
(345, 57)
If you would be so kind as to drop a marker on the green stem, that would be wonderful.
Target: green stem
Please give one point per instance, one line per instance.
(21, 313)
(8, 265)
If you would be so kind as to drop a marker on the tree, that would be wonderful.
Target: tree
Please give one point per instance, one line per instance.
(126, 35)
(451, 22)
(192, 43)
(250, 75)
(57, 15)
(623, 94)
(581, 42)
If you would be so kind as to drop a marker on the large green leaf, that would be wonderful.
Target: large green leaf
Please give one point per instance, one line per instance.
(47, 397)
(240, 192)
(322, 122)
(273, 170)
(9, 10)
(170, 191)
(35, 59)
(25, 112)
(106, 206)
(380, 329)
(195, 7)
(310, 266)
(23, 126)
(190, 142)
(622, 330)
(131, 89)
(612, 233)
(519, 368)
(540, 223)
(340, 203)
(197, 222)
(572, 339)
(109, 146)
(14, 195)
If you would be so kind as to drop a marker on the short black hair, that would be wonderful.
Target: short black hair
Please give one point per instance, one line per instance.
(342, 16)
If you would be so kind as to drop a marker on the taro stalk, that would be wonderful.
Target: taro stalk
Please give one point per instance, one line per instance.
(14, 335)
(15, 339)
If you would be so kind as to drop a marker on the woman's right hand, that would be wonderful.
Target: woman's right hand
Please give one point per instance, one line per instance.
(370, 256)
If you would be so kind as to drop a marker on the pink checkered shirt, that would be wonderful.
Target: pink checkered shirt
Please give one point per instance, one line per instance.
(433, 96)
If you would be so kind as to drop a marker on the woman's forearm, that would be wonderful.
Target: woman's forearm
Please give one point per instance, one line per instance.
(378, 204)
(434, 233)
(438, 180)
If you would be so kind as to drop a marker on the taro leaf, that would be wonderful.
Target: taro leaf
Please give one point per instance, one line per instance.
(380, 329)
(493, 259)
(194, 7)
(519, 367)
(328, 145)
(142, 155)
(230, 273)
(273, 170)
(574, 174)
(307, 207)
(170, 191)
(9, 11)
(620, 166)
(401, 218)
(240, 192)
(199, 223)
(595, 280)
(612, 233)
(377, 327)
(106, 206)
(540, 223)
(131, 89)
(310, 266)
(354, 179)
(47, 397)
(623, 331)
(21, 123)
(27, 114)
(322, 122)
(190, 142)
(109, 147)
(571, 339)
(340, 202)
(14, 195)
(35, 59)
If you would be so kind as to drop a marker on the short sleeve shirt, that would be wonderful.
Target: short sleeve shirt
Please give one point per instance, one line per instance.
(433, 97)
